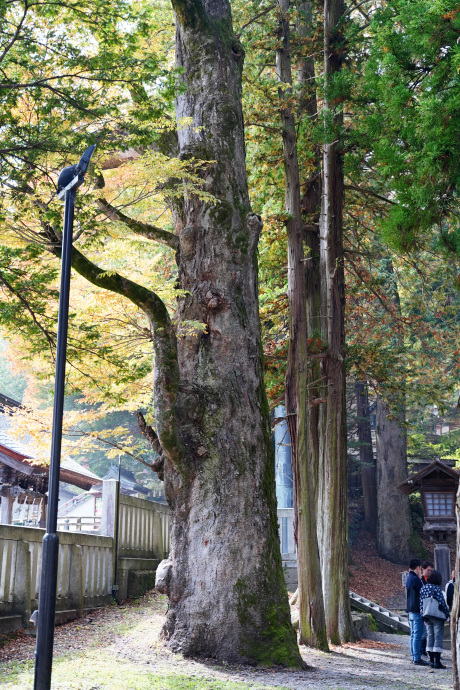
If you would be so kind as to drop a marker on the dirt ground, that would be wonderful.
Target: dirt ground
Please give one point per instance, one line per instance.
(118, 647)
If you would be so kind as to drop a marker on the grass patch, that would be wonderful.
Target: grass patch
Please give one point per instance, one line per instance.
(118, 648)
(97, 670)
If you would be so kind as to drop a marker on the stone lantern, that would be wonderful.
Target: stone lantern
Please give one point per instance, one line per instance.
(438, 484)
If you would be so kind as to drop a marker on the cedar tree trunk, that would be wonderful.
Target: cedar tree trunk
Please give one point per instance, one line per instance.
(310, 596)
(224, 577)
(332, 495)
(366, 457)
(393, 518)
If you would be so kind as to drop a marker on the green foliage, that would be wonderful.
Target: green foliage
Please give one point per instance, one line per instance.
(71, 69)
(12, 384)
(417, 519)
(428, 445)
(408, 129)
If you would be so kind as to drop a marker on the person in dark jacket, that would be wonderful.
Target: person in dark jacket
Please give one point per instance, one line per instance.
(413, 587)
(450, 591)
(434, 625)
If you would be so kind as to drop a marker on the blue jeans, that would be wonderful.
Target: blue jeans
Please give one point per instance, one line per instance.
(435, 633)
(416, 632)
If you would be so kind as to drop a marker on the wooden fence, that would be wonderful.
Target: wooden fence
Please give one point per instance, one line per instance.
(86, 560)
(85, 574)
(143, 528)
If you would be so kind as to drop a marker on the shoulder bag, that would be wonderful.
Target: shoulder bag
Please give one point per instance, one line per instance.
(431, 609)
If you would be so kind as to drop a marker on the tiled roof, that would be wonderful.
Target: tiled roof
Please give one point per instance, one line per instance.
(7, 439)
(74, 466)
(7, 403)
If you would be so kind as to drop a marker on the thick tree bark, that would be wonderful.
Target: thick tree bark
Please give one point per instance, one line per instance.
(311, 607)
(393, 519)
(224, 578)
(393, 516)
(366, 457)
(332, 495)
(455, 615)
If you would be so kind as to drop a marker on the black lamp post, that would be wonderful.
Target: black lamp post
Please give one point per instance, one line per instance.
(69, 181)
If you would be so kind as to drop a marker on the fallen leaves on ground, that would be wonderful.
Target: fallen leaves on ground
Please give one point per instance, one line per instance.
(374, 577)
(365, 644)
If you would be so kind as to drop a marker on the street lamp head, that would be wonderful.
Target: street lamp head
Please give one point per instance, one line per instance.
(66, 176)
(75, 173)
(82, 167)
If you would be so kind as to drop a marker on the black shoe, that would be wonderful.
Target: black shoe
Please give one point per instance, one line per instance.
(420, 662)
(437, 664)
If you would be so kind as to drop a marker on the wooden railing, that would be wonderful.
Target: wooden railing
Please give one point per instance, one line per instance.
(85, 574)
(143, 530)
(86, 560)
(79, 524)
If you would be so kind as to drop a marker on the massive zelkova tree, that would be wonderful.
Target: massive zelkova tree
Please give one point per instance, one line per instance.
(224, 577)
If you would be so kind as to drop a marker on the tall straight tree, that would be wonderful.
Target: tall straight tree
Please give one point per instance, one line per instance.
(366, 456)
(332, 504)
(393, 517)
(311, 606)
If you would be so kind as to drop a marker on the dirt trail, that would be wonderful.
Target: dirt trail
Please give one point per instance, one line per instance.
(127, 638)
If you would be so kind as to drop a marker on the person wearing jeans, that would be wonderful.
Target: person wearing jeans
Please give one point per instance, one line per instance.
(416, 634)
(426, 568)
(413, 587)
(434, 623)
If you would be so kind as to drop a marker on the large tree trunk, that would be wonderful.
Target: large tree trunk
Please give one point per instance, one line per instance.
(332, 508)
(224, 580)
(311, 607)
(393, 521)
(366, 457)
(455, 615)
(393, 516)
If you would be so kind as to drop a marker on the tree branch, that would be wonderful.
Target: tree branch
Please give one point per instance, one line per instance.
(356, 188)
(149, 433)
(28, 308)
(166, 377)
(255, 18)
(16, 33)
(150, 232)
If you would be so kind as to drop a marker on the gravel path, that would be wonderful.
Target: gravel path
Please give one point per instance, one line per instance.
(128, 637)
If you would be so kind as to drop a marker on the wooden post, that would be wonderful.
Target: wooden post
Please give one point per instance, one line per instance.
(42, 513)
(109, 507)
(6, 508)
(22, 584)
(109, 521)
(76, 579)
(442, 562)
